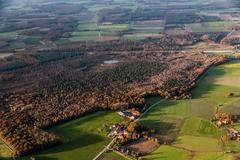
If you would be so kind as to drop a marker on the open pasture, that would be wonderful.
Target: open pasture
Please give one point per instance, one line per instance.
(83, 137)
(195, 143)
(5, 152)
(213, 156)
(200, 127)
(165, 152)
(151, 26)
(111, 155)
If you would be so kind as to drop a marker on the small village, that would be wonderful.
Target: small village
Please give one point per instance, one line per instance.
(130, 137)
(228, 120)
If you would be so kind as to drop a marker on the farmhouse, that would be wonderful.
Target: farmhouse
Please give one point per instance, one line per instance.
(223, 119)
(131, 114)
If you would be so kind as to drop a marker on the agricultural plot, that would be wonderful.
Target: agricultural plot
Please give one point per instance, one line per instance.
(83, 137)
(200, 127)
(84, 36)
(217, 26)
(197, 131)
(5, 153)
(134, 37)
(195, 143)
(112, 156)
(233, 108)
(92, 31)
(165, 152)
(117, 27)
(213, 155)
(151, 26)
(143, 29)
(85, 31)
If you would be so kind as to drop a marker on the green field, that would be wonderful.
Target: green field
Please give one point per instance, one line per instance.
(111, 26)
(84, 36)
(5, 153)
(213, 156)
(198, 134)
(165, 152)
(83, 137)
(87, 31)
(92, 26)
(197, 143)
(112, 156)
(212, 26)
(200, 127)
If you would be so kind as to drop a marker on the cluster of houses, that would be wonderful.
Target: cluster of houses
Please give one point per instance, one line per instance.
(125, 134)
(120, 132)
(132, 114)
(226, 119)
(223, 119)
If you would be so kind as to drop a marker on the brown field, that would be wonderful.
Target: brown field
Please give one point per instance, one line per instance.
(168, 131)
(227, 81)
(144, 146)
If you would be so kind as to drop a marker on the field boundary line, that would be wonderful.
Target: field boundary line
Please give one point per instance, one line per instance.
(119, 153)
(149, 109)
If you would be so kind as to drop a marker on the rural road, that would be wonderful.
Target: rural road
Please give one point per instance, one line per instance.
(109, 145)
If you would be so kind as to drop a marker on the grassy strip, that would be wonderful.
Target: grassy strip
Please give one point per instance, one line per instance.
(81, 138)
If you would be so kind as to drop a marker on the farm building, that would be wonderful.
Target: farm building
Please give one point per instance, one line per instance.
(226, 118)
(223, 119)
(131, 114)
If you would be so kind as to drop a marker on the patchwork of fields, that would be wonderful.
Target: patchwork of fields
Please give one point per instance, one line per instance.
(198, 138)
(42, 24)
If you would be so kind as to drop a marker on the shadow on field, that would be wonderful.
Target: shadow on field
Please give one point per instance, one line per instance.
(206, 84)
(5, 158)
(166, 131)
(77, 142)
(45, 158)
(166, 126)
(162, 128)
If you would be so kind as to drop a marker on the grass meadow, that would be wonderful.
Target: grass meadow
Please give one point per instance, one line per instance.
(5, 153)
(82, 138)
